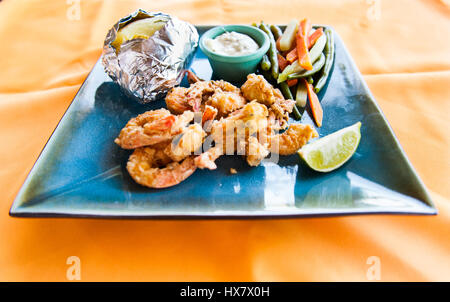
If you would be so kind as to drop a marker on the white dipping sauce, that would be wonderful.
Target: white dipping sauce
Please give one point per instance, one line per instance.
(232, 44)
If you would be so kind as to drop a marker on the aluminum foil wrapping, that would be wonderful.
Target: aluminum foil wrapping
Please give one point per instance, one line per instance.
(149, 68)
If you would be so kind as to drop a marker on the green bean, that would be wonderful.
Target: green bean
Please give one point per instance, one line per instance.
(297, 114)
(272, 53)
(265, 63)
(317, 66)
(288, 96)
(329, 59)
(276, 31)
(286, 91)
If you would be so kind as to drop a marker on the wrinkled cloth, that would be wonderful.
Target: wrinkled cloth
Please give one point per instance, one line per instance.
(401, 48)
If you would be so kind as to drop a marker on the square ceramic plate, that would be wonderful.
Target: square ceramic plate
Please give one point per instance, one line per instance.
(81, 172)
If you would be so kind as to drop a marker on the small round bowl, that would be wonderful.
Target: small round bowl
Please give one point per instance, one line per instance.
(235, 68)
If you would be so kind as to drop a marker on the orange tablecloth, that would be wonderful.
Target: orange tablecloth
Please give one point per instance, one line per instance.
(402, 49)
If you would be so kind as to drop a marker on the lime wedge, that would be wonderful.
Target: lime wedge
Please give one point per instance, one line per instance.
(332, 151)
(140, 29)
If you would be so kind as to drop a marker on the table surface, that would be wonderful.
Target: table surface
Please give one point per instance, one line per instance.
(400, 47)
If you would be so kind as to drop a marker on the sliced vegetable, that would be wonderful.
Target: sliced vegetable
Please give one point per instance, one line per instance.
(332, 151)
(286, 91)
(314, 36)
(302, 45)
(317, 66)
(329, 59)
(277, 44)
(289, 35)
(314, 54)
(318, 47)
(292, 56)
(301, 95)
(296, 113)
(265, 63)
(288, 95)
(314, 103)
(276, 31)
(272, 53)
(315, 50)
(292, 82)
(282, 63)
(310, 80)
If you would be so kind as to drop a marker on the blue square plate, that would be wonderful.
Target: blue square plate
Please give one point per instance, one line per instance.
(81, 171)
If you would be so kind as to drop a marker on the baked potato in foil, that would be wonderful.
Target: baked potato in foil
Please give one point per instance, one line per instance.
(145, 53)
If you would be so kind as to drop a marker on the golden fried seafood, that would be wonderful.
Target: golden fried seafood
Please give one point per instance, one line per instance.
(245, 121)
(192, 77)
(239, 121)
(207, 158)
(176, 100)
(255, 151)
(146, 129)
(234, 134)
(209, 114)
(152, 127)
(181, 122)
(186, 143)
(197, 93)
(145, 169)
(180, 99)
(281, 109)
(292, 139)
(257, 88)
(226, 102)
(226, 97)
(221, 95)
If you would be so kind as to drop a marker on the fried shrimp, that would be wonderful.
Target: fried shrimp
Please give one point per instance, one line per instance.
(292, 139)
(146, 168)
(209, 114)
(176, 100)
(223, 96)
(180, 99)
(197, 93)
(242, 121)
(255, 152)
(257, 88)
(226, 97)
(245, 121)
(226, 102)
(192, 77)
(207, 158)
(146, 129)
(181, 122)
(152, 127)
(186, 143)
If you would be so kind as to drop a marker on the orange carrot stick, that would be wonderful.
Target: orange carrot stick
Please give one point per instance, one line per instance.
(312, 39)
(314, 36)
(314, 103)
(302, 44)
(292, 82)
(292, 56)
(282, 63)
